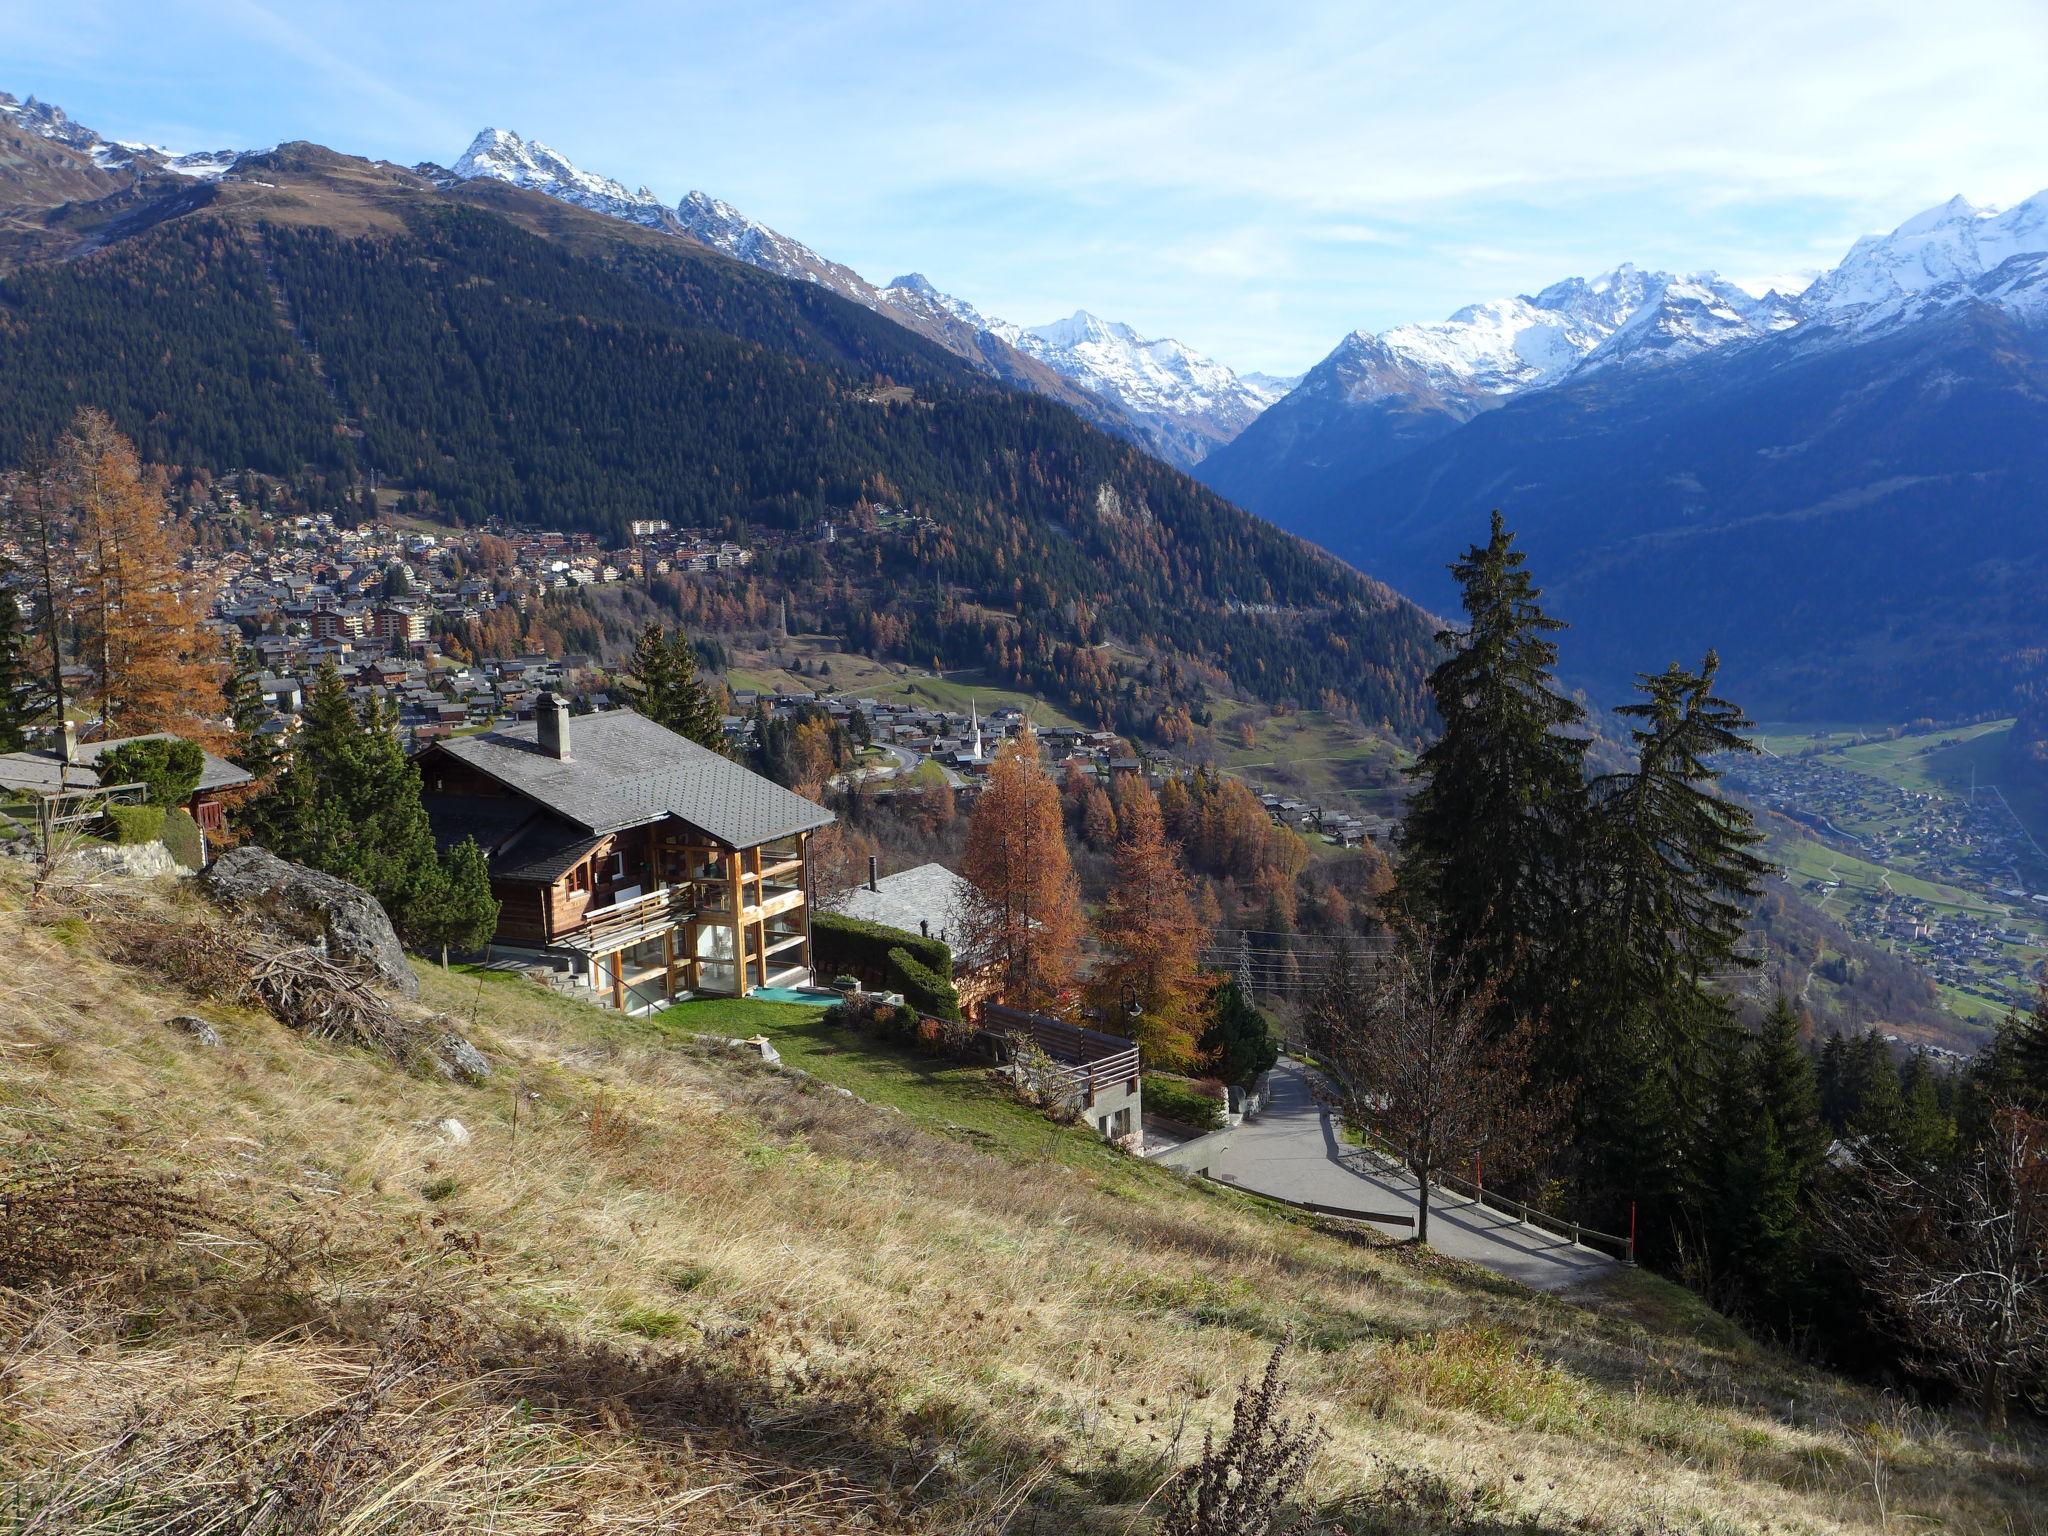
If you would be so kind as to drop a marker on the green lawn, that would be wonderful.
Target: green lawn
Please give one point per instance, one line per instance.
(1804, 858)
(957, 1100)
(1310, 755)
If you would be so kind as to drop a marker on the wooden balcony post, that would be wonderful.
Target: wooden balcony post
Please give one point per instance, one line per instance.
(619, 980)
(668, 954)
(736, 879)
(803, 853)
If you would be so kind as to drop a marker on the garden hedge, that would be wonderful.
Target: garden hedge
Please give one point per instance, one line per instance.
(862, 949)
(1176, 1100)
(922, 987)
(136, 824)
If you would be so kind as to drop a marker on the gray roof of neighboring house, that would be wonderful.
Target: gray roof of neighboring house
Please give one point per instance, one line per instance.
(623, 770)
(45, 771)
(930, 893)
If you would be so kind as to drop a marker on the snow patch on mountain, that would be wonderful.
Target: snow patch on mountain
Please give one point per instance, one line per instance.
(51, 122)
(498, 155)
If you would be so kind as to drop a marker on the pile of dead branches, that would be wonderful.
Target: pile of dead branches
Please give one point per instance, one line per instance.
(297, 984)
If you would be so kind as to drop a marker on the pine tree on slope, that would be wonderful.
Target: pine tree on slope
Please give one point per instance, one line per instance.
(1500, 793)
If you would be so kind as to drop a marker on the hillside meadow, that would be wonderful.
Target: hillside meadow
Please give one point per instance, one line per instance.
(652, 1284)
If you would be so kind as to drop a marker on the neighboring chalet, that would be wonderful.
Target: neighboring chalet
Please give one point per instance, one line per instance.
(930, 900)
(656, 867)
(71, 769)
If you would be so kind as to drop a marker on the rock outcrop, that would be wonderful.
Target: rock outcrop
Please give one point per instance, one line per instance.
(313, 906)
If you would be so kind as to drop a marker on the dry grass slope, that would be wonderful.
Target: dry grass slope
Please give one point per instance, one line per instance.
(662, 1288)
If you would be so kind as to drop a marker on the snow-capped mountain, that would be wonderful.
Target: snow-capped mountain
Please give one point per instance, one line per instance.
(1178, 402)
(497, 155)
(1504, 346)
(1932, 251)
(1376, 397)
(1187, 402)
(51, 122)
(724, 228)
(1679, 457)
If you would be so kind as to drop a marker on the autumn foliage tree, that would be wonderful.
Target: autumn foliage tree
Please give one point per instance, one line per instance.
(1024, 906)
(155, 666)
(1150, 937)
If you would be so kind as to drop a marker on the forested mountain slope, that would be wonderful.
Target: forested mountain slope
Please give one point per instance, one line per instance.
(1842, 489)
(1858, 526)
(506, 356)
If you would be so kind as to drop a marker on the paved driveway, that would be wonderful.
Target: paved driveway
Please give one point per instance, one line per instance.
(1292, 1150)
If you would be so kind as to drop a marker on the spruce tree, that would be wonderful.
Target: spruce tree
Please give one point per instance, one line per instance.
(253, 748)
(463, 914)
(348, 802)
(2012, 1071)
(1500, 794)
(1926, 1132)
(1238, 1043)
(1674, 860)
(665, 687)
(1789, 1092)
(1868, 1096)
(14, 680)
(1667, 868)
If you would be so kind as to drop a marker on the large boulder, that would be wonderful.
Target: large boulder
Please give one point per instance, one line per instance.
(313, 906)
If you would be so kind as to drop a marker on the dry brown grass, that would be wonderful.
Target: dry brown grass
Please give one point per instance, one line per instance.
(660, 1288)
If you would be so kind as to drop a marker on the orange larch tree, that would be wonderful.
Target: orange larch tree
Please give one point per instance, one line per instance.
(1024, 906)
(1150, 936)
(156, 666)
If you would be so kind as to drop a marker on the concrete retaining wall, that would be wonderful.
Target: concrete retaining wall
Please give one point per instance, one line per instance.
(1194, 1156)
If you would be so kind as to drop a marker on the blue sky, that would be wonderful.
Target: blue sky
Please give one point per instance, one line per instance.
(1254, 180)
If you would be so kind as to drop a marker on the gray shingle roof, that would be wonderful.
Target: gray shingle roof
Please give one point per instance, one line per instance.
(44, 770)
(930, 894)
(623, 770)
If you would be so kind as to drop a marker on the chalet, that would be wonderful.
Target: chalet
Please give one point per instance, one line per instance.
(930, 900)
(657, 868)
(73, 766)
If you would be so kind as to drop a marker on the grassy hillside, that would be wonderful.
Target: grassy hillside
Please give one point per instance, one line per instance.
(662, 1287)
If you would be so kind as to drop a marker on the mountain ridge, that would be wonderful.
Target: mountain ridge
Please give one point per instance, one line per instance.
(1174, 400)
(496, 353)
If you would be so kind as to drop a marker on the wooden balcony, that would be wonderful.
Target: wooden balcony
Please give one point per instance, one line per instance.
(626, 923)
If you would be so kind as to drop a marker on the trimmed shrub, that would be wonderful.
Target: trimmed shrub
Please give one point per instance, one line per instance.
(171, 767)
(922, 987)
(1177, 1100)
(862, 948)
(134, 824)
(181, 836)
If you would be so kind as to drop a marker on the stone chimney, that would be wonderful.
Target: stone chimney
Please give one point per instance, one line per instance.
(874, 869)
(551, 719)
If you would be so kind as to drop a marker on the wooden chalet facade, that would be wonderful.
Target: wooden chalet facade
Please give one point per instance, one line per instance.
(658, 868)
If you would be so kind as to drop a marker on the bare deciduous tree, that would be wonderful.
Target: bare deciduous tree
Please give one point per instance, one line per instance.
(1957, 1255)
(1418, 1060)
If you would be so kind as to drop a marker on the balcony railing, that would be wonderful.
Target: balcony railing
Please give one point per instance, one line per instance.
(624, 923)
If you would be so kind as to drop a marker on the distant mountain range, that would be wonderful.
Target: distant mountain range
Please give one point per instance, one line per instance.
(1171, 398)
(490, 352)
(1843, 489)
